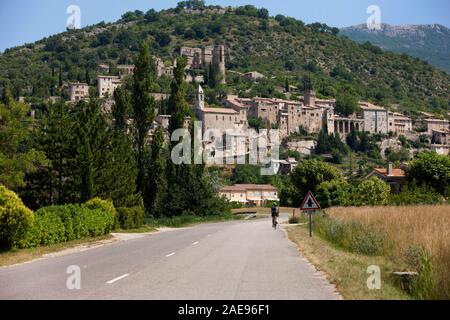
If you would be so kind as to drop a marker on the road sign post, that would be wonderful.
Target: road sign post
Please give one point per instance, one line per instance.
(310, 205)
(310, 213)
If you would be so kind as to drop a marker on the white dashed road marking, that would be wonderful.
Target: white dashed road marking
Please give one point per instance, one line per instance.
(117, 279)
(171, 254)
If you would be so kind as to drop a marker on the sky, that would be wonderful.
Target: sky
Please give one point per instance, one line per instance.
(25, 21)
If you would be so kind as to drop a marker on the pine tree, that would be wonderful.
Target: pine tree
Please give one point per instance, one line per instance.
(56, 138)
(144, 106)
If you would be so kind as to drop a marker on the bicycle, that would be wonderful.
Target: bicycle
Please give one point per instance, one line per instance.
(274, 222)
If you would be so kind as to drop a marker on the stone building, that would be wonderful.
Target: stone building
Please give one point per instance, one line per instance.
(344, 125)
(254, 75)
(376, 119)
(78, 91)
(440, 141)
(162, 70)
(436, 124)
(107, 85)
(399, 124)
(125, 70)
(232, 117)
(200, 58)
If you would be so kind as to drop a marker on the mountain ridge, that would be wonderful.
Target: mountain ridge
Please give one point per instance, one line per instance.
(430, 42)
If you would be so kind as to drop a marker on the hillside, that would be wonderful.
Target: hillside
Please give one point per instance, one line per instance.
(279, 47)
(427, 42)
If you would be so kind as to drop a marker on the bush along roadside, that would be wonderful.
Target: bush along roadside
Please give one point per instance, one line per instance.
(20, 227)
(57, 224)
(15, 218)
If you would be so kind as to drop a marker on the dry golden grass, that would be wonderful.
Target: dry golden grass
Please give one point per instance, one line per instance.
(420, 226)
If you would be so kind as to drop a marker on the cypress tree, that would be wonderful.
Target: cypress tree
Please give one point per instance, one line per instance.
(120, 109)
(144, 106)
(87, 77)
(178, 107)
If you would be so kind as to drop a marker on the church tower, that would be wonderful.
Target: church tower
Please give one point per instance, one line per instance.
(200, 99)
(310, 98)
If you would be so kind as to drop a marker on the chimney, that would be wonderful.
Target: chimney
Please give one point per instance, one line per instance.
(390, 169)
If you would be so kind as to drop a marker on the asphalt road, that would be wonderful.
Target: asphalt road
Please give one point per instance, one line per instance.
(239, 260)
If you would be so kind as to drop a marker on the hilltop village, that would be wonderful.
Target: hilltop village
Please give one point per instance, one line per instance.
(307, 113)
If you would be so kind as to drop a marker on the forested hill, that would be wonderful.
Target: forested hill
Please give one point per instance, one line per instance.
(282, 48)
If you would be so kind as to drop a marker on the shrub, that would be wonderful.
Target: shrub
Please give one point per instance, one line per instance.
(15, 218)
(334, 193)
(372, 192)
(294, 220)
(108, 208)
(131, 218)
(412, 195)
(57, 224)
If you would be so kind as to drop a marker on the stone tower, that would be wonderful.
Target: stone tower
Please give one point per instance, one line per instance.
(310, 98)
(219, 61)
(200, 99)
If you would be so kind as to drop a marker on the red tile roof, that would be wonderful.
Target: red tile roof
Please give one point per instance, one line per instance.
(395, 172)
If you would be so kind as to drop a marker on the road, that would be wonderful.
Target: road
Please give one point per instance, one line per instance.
(239, 260)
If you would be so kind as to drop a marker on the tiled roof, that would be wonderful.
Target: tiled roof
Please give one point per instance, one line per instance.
(395, 172)
(370, 106)
(220, 110)
(265, 187)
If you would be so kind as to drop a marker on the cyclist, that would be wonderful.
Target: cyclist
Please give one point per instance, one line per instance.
(275, 214)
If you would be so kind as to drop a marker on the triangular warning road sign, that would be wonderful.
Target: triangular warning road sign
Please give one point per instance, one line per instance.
(310, 202)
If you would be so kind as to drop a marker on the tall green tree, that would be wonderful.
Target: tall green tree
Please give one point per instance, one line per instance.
(55, 137)
(156, 182)
(178, 107)
(346, 103)
(120, 109)
(144, 106)
(432, 170)
(308, 176)
(17, 155)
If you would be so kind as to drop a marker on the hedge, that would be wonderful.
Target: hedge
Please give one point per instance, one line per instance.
(57, 224)
(15, 218)
(130, 218)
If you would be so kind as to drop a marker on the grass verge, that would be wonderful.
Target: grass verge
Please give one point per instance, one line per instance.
(15, 256)
(347, 271)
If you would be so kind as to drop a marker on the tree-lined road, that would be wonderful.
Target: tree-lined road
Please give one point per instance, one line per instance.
(230, 261)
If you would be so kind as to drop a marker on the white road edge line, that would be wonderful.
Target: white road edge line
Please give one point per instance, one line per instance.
(118, 278)
(195, 243)
(170, 254)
